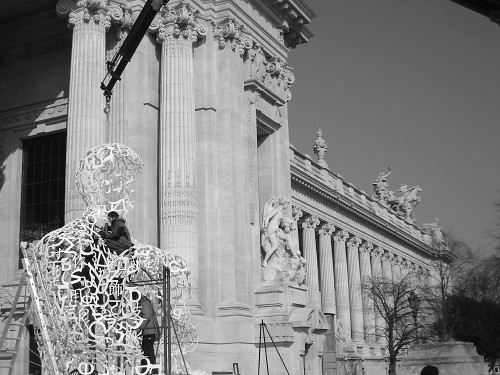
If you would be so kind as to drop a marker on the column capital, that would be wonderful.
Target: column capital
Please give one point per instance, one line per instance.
(311, 222)
(377, 252)
(327, 229)
(366, 247)
(85, 12)
(341, 235)
(398, 259)
(232, 33)
(174, 23)
(354, 241)
(388, 257)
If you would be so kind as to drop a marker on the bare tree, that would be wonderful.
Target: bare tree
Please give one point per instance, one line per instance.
(452, 259)
(390, 300)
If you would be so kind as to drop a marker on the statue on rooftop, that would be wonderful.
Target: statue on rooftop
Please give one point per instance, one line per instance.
(381, 191)
(403, 205)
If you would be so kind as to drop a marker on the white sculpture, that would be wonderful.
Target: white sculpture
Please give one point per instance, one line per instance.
(282, 255)
(92, 295)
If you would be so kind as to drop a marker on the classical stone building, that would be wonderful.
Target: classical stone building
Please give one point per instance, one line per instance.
(204, 104)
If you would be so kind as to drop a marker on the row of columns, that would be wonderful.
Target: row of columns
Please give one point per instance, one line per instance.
(177, 31)
(335, 275)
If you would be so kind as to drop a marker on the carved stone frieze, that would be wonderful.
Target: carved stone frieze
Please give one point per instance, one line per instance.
(272, 72)
(176, 23)
(230, 33)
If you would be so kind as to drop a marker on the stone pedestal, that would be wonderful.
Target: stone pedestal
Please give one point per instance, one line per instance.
(457, 358)
(276, 301)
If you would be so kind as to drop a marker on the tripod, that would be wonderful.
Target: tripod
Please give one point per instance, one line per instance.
(262, 336)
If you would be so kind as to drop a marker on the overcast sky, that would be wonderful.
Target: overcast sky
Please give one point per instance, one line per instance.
(411, 84)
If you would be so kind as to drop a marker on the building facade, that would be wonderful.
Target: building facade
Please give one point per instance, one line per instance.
(204, 104)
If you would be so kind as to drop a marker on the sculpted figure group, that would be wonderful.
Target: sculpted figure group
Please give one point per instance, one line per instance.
(402, 205)
(282, 259)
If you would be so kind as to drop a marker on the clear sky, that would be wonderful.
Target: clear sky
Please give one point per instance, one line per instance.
(411, 84)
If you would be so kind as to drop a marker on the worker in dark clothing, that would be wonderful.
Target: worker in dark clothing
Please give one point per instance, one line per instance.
(150, 330)
(116, 234)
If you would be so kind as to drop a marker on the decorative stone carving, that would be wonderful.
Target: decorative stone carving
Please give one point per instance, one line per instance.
(89, 12)
(354, 241)
(282, 260)
(402, 205)
(274, 73)
(341, 235)
(366, 247)
(436, 232)
(296, 215)
(173, 23)
(231, 33)
(320, 147)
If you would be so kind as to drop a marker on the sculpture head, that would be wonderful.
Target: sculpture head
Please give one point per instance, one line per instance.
(104, 175)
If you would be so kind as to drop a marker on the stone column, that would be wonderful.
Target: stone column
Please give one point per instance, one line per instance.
(366, 274)
(354, 277)
(341, 283)
(86, 127)
(309, 243)
(177, 30)
(396, 268)
(387, 260)
(327, 278)
(296, 215)
(377, 274)
(405, 269)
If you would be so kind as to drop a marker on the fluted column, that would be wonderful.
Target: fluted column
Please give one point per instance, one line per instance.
(366, 274)
(327, 278)
(396, 268)
(86, 119)
(405, 269)
(341, 283)
(309, 243)
(296, 215)
(387, 260)
(377, 274)
(354, 277)
(177, 30)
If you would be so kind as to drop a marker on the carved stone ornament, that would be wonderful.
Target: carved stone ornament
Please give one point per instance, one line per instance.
(231, 33)
(377, 252)
(282, 260)
(355, 241)
(341, 235)
(85, 12)
(274, 73)
(320, 147)
(402, 205)
(91, 294)
(177, 23)
(366, 247)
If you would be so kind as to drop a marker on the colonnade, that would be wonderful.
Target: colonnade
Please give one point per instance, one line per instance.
(335, 274)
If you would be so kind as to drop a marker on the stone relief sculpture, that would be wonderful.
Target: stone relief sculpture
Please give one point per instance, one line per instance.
(282, 259)
(402, 205)
(91, 293)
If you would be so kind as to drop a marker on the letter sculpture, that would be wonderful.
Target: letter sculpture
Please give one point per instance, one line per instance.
(89, 296)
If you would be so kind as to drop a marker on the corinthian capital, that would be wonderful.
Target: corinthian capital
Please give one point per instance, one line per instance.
(366, 247)
(388, 257)
(311, 222)
(85, 11)
(377, 252)
(341, 235)
(178, 23)
(231, 33)
(355, 241)
(327, 229)
(278, 68)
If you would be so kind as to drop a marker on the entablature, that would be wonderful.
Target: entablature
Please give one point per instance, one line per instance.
(311, 179)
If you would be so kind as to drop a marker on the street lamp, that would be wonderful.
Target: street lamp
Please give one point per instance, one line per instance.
(414, 302)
